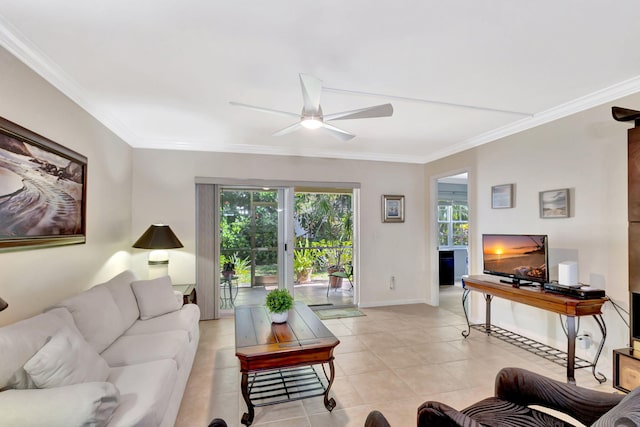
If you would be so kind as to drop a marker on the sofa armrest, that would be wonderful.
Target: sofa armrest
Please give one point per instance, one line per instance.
(528, 388)
(436, 414)
(180, 297)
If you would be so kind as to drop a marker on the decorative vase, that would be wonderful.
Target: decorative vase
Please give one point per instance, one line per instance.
(279, 317)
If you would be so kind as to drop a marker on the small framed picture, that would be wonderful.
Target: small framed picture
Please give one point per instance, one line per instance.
(502, 196)
(392, 208)
(554, 203)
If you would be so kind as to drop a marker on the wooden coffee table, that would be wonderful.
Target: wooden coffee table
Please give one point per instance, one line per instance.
(283, 362)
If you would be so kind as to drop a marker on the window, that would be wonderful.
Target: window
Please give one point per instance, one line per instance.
(453, 223)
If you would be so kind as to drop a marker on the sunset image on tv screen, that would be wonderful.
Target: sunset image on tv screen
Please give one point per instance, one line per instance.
(523, 256)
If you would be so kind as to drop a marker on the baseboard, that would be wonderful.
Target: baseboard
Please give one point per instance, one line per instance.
(391, 302)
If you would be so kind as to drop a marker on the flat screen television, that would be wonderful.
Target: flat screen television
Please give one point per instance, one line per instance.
(523, 258)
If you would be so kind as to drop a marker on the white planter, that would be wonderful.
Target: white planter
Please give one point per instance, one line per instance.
(279, 317)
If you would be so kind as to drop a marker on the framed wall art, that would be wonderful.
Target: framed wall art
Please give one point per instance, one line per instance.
(392, 208)
(43, 188)
(554, 203)
(502, 196)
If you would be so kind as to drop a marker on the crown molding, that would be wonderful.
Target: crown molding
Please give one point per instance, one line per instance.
(595, 99)
(28, 53)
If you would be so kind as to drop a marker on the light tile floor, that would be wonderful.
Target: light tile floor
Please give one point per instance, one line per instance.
(392, 359)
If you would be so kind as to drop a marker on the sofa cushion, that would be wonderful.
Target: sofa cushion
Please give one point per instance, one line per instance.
(120, 288)
(64, 360)
(96, 315)
(77, 405)
(132, 349)
(145, 390)
(185, 319)
(155, 297)
(628, 408)
(21, 340)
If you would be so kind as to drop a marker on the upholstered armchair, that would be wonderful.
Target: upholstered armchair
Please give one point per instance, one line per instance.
(516, 390)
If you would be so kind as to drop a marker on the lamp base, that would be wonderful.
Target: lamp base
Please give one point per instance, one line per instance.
(158, 270)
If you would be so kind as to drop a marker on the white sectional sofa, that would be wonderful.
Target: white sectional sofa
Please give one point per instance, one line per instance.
(118, 354)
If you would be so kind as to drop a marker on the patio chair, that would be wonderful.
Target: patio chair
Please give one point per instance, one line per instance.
(345, 273)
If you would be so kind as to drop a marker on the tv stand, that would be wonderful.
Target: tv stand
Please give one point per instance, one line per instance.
(565, 305)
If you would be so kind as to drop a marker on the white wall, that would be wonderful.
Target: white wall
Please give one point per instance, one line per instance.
(586, 153)
(31, 280)
(164, 190)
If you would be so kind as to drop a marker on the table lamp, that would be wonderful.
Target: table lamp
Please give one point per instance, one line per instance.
(3, 304)
(159, 238)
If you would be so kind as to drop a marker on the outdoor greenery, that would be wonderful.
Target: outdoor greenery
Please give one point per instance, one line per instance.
(303, 257)
(279, 300)
(249, 231)
(326, 221)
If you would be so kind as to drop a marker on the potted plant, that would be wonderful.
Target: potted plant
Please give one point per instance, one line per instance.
(303, 260)
(279, 302)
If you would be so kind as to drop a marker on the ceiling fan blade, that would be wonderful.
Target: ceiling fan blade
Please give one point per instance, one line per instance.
(384, 110)
(311, 90)
(337, 133)
(265, 110)
(294, 127)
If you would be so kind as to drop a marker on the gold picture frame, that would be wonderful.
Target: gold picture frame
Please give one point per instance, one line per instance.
(392, 208)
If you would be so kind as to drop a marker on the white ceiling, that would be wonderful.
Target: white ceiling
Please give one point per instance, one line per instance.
(161, 73)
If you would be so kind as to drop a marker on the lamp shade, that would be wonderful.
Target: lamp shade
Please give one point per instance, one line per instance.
(3, 304)
(158, 236)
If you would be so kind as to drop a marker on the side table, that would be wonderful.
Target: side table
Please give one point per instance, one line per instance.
(189, 295)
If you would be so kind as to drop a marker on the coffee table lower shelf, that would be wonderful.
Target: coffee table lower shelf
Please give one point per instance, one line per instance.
(285, 385)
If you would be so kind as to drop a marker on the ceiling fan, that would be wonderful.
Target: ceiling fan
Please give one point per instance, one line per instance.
(312, 116)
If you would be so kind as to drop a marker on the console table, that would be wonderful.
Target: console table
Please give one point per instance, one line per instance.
(539, 298)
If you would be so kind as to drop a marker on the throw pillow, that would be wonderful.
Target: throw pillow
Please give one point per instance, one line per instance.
(155, 297)
(66, 359)
(77, 405)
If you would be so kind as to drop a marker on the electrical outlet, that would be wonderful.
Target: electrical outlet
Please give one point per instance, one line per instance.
(392, 283)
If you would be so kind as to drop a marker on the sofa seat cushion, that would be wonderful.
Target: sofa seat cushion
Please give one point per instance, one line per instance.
(21, 340)
(64, 360)
(96, 315)
(132, 349)
(495, 412)
(77, 405)
(185, 319)
(145, 390)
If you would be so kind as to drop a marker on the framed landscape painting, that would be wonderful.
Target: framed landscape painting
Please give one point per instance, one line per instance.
(554, 203)
(42, 191)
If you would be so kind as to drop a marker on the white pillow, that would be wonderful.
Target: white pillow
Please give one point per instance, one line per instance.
(155, 297)
(87, 404)
(64, 360)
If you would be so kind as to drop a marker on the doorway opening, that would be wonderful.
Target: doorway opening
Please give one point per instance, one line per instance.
(452, 230)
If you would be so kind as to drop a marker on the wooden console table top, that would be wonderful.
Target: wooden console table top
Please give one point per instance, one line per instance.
(537, 297)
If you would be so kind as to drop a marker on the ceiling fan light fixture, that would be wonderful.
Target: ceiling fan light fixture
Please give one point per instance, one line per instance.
(311, 123)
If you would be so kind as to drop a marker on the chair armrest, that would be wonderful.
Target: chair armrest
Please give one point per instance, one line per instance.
(528, 388)
(376, 419)
(436, 414)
